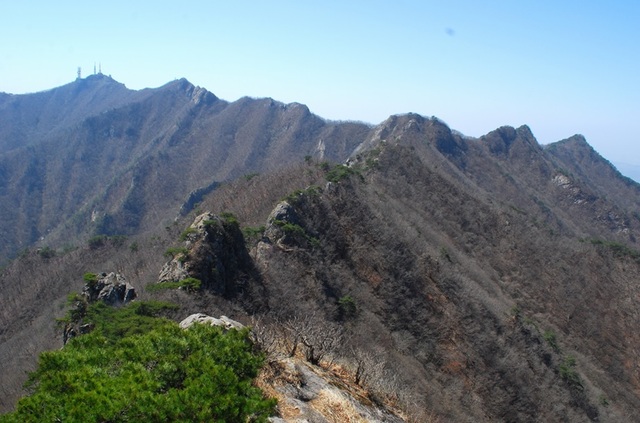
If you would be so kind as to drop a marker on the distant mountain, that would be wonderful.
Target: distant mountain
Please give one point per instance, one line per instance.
(27, 119)
(472, 279)
(93, 157)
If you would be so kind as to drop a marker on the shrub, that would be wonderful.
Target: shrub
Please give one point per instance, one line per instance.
(295, 230)
(295, 197)
(188, 284)
(569, 373)
(91, 279)
(325, 166)
(185, 234)
(371, 161)
(46, 252)
(118, 240)
(229, 218)
(603, 401)
(97, 241)
(290, 228)
(78, 308)
(347, 306)
(67, 248)
(516, 311)
(173, 252)
(191, 284)
(550, 337)
(619, 250)
(338, 173)
(444, 253)
(251, 232)
(146, 370)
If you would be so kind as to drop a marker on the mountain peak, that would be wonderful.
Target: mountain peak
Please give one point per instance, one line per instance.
(501, 140)
(197, 94)
(94, 81)
(576, 146)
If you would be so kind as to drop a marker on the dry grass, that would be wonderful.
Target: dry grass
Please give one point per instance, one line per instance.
(276, 374)
(335, 403)
(336, 408)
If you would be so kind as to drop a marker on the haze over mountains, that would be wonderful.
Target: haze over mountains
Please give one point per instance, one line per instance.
(497, 277)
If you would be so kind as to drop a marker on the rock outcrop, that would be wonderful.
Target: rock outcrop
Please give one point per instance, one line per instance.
(111, 288)
(283, 214)
(214, 253)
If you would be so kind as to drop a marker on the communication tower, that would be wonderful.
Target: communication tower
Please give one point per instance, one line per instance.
(79, 72)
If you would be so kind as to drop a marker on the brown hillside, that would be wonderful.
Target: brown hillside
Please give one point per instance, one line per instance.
(118, 161)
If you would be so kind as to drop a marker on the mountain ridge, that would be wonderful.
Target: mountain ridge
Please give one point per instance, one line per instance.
(496, 277)
(175, 127)
(98, 149)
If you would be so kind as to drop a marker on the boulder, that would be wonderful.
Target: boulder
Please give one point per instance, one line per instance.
(202, 318)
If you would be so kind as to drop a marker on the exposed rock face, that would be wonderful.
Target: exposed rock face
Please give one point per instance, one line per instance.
(282, 214)
(112, 289)
(215, 254)
(311, 394)
(173, 271)
(202, 318)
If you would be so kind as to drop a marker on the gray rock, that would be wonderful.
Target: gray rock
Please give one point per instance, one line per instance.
(173, 271)
(215, 254)
(285, 213)
(112, 288)
(305, 388)
(202, 318)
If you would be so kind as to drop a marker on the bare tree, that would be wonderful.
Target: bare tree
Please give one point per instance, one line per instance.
(309, 333)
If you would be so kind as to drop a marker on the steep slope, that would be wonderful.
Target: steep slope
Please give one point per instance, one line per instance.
(93, 157)
(584, 163)
(485, 304)
(480, 310)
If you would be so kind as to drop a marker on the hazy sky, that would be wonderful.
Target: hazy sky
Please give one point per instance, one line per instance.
(561, 67)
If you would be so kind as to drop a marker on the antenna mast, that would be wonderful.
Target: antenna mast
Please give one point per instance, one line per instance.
(79, 72)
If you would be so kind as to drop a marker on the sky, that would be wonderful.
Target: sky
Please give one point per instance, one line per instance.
(560, 67)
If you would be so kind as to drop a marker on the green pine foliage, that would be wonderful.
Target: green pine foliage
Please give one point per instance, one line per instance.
(134, 367)
(188, 284)
(338, 173)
